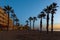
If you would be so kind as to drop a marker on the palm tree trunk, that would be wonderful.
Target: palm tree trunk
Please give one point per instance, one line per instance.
(16, 23)
(13, 23)
(30, 25)
(8, 22)
(52, 23)
(47, 22)
(27, 23)
(33, 25)
(41, 25)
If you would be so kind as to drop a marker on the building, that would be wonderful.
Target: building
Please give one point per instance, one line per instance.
(4, 20)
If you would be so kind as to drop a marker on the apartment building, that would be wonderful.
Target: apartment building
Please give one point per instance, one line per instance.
(4, 20)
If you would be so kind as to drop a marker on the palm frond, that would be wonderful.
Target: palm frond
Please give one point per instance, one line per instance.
(30, 18)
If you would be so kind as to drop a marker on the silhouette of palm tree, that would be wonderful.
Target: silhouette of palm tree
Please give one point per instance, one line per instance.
(18, 24)
(27, 22)
(30, 19)
(17, 20)
(40, 16)
(34, 19)
(47, 10)
(52, 15)
(8, 10)
(13, 16)
(53, 9)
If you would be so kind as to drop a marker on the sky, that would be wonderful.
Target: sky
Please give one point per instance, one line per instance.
(26, 8)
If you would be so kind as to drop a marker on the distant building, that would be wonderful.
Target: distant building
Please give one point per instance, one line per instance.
(4, 20)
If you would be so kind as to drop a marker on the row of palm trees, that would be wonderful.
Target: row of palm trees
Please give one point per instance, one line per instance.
(9, 10)
(51, 9)
(45, 13)
(32, 19)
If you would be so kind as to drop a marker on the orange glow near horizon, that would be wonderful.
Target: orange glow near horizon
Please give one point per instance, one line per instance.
(56, 27)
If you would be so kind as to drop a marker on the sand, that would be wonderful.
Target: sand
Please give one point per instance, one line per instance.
(29, 35)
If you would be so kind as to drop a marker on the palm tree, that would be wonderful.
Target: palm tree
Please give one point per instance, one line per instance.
(47, 10)
(52, 16)
(27, 22)
(40, 16)
(17, 20)
(34, 19)
(13, 15)
(18, 24)
(53, 9)
(30, 19)
(8, 10)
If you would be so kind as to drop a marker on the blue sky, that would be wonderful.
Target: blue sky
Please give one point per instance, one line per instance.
(26, 8)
